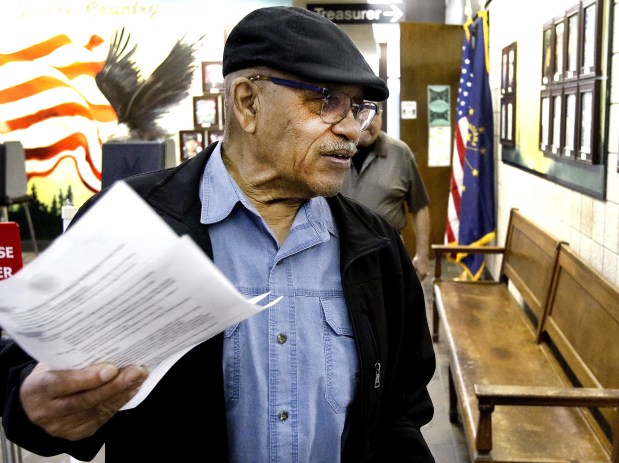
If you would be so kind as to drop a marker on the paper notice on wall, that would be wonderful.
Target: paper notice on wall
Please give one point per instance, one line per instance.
(439, 146)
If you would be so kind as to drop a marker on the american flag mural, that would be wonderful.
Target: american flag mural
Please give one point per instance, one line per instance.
(471, 207)
(49, 101)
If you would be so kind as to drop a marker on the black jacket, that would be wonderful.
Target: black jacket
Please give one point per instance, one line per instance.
(184, 419)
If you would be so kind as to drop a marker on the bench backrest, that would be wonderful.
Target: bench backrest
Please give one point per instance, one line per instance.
(530, 256)
(582, 324)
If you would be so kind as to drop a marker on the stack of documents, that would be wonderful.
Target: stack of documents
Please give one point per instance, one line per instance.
(120, 286)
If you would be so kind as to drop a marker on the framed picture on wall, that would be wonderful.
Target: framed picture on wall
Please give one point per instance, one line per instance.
(589, 114)
(544, 118)
(591, 38)
(212, 77)
(559, 48)
(556, 141)
(570, 106)
(191, 142)
(206, 111)
(508, 69)
(547, 54)
(508, 116)
(214, 135)
(572, 42)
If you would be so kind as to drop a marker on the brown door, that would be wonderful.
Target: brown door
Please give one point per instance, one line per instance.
(430, 54)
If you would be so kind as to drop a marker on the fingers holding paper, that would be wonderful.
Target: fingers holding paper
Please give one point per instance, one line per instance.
(74, 404)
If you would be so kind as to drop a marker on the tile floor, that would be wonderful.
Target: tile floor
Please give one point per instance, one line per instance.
(445, 440)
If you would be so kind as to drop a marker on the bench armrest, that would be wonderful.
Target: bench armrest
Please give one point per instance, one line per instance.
(490, 395)
(440, 249)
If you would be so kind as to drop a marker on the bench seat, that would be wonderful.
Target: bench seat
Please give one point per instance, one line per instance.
(500, 347)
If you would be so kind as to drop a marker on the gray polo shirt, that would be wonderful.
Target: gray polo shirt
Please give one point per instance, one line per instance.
(388, 182)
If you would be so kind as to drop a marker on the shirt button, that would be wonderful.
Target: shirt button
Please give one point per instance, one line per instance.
(283, 415)
(282, 338)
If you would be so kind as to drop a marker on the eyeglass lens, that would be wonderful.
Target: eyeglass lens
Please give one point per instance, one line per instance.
(336, 105)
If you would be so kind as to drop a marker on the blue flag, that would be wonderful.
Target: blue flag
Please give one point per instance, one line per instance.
(476, 222)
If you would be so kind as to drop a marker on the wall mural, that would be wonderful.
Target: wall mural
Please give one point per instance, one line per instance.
(49, 102)
(50, 53)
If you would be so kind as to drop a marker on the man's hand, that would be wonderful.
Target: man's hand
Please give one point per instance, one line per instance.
(421, 266)
(73, 404)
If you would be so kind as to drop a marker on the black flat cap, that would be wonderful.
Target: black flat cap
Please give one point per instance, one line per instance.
(303, 43)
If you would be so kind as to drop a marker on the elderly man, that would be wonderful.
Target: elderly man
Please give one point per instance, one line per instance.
(337, 371)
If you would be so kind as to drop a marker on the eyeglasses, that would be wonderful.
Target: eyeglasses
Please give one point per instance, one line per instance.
(335, 105)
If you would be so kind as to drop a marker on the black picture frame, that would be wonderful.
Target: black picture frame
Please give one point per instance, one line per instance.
(509, 63)
(558, 49)
(212, 77)
(545, 118)
(571, 129)
(588, 122)
(214, 135)
(508, 121)
(590, 38)
(556, 130)
(191, 142)
(206, 111)
(572, 43)
(547, 53)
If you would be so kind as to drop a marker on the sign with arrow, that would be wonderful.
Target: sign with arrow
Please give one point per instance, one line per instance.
(358, 13)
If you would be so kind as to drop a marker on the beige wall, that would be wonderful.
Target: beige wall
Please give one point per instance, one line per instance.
(591, 226)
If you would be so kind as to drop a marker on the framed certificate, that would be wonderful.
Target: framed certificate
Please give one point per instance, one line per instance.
(588, 116)
(212, 77)
(206, 111)
(559, 48)
(214, 135)
(191, 142)
(508, 69)
(547, 54)
(544, 121)
(590, 34)
(570, 108)
(556, 132)
(572, 36)
(508, 118)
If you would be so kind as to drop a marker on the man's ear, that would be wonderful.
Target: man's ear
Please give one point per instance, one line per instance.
(245, 103)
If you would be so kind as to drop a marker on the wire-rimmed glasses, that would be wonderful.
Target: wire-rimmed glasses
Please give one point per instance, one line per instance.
(335, 105)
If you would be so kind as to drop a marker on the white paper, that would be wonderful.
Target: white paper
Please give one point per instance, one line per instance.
(120, 286)
(439, 145)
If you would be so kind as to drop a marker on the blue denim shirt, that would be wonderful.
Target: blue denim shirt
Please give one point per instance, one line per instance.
(289, 371)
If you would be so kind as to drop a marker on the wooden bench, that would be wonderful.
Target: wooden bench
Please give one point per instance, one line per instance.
(533, 388)
(528, 257)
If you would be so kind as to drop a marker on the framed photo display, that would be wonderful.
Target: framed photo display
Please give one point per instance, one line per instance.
(212, 77)
(191, 142)
(206, 111)
(571, 74)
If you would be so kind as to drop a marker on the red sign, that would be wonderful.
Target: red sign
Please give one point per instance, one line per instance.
(10, 250)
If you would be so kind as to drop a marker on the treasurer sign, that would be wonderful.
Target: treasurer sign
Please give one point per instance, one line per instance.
(357, 13)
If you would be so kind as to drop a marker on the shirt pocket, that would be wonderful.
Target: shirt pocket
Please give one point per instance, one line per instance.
(341, 361)
(232, 366)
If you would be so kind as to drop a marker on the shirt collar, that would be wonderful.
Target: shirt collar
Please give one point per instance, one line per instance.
(216, 207)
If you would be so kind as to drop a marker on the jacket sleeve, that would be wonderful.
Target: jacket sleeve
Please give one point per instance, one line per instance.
(411, 407)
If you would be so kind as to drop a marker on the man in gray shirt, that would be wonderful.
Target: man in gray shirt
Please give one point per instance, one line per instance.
(384, 176)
